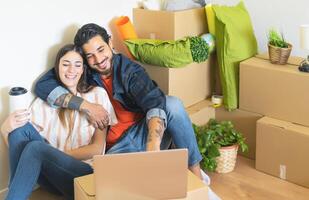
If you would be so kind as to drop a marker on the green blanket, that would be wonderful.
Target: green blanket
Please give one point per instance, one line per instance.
(235, 42)
(167, 53)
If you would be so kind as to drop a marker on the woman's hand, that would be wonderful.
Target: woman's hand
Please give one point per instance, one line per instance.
(96, 147)
(15, 120)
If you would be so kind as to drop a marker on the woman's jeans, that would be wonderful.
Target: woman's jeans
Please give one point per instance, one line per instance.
(32, 161)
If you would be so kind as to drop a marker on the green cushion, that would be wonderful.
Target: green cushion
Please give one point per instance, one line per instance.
(235, 42)
(165, 53)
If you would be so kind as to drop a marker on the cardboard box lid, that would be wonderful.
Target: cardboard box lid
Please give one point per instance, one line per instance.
(293, 60)
(168, 25)
(87, 184)
(201, 112)
(194, 183)
(265, 64)
(199, 106)
(285, 125)
(167, 12)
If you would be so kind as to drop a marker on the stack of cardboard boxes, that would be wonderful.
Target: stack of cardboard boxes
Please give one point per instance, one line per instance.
(192, 83)
(280, 93)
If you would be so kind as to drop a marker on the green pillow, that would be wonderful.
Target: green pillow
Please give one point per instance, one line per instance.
(235, 42)
(167, 53)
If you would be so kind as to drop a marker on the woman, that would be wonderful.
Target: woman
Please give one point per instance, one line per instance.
(51, 146)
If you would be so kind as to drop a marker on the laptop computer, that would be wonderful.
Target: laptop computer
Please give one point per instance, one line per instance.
(142, 175)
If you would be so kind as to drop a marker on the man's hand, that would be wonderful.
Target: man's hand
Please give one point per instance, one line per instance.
(96, 114)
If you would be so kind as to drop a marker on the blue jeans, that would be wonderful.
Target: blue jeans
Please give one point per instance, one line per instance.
(32, 161)
(179, 130)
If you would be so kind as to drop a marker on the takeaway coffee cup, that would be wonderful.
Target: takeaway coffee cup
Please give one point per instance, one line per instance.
(18, 98)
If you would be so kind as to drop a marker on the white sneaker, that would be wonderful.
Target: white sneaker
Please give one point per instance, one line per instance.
(206, 178)
(211, 194)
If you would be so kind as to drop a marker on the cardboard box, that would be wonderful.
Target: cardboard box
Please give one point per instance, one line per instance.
(282, 150)
(244, 122)
(192, 83)
(168, 25)
(84, 188)
(201, 112)
(278, 91)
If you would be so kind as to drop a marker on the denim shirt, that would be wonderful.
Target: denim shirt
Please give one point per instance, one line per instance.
(132, 87)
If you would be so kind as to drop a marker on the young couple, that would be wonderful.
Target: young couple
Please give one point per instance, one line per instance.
(112, 106)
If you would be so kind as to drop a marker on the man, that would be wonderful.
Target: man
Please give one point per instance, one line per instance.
(147, 119)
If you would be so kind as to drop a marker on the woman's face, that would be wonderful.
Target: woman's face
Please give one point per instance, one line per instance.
(71, 69)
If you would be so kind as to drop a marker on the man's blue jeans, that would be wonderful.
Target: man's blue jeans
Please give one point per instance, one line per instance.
(179, 130)
(32, 161)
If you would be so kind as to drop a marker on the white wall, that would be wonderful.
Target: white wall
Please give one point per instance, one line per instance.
(285, 16)
(32, 31)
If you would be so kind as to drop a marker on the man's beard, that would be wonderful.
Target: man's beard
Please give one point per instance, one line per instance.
(105, 72)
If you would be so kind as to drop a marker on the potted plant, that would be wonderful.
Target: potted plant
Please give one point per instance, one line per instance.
(278, 49)
(218, 143)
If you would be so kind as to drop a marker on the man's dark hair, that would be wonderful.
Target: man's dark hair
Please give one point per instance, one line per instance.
(89, 31)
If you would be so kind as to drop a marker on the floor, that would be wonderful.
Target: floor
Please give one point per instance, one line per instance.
(41, 194)
(244, 183)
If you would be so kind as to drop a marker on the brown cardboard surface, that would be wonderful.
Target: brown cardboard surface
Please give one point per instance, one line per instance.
(278, 91)
(153, 172)
(168, 25)
(192, 83)
(244, 122)
(201, 112)
(293, 60)
(84, 188)
(282, 150)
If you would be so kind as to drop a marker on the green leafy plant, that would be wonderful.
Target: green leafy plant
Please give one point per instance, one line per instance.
(276, 39)
(199, 49)
(214, 135)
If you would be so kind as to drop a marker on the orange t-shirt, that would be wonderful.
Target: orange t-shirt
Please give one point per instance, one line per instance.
(125, 118)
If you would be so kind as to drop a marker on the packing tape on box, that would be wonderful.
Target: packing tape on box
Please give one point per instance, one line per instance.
(217, 100)
(282, 169)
